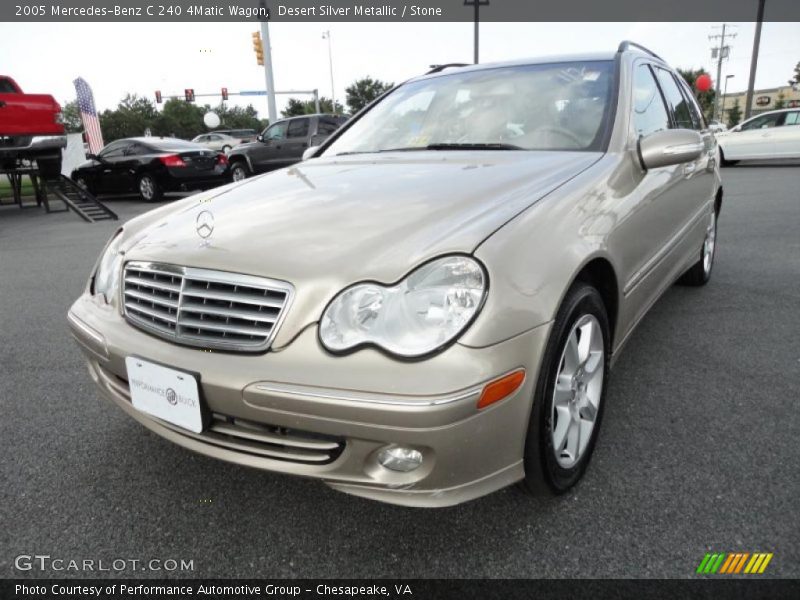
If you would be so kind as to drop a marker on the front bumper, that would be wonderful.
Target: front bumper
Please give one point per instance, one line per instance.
(365, 401)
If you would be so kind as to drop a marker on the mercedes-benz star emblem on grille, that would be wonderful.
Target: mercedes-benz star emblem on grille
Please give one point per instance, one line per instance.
(205, 224)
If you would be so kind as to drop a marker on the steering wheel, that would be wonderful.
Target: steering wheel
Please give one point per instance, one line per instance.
(565, 133)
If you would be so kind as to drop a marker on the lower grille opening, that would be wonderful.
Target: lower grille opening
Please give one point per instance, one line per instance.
(242, 435)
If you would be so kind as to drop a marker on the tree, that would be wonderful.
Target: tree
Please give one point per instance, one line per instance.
(363, 91)
(734, 114)
(705, 99)
(132, 116)
(238, 117)
(795, 80)
(780, 100)
(297, 107)
(180, 119)
(72, 117)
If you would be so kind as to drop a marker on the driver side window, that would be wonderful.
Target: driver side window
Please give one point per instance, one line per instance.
(762, 122)
(113, 150)
(276, 131)
(649, 112)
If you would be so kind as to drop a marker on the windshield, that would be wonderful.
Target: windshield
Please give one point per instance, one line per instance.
(559, 106)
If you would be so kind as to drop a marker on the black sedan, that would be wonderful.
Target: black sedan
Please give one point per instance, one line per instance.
(152, 166)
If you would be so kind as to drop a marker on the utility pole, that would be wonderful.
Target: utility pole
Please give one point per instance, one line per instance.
(272, 112)
(721, 52)
(477, 4)
(326, 35)
(748, 102)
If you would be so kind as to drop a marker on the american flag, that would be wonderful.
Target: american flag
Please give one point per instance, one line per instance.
(91, 124)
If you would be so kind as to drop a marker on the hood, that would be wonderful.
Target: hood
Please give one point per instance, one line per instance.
(326, 223)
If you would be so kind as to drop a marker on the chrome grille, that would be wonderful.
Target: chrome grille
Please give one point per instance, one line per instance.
(209, 309)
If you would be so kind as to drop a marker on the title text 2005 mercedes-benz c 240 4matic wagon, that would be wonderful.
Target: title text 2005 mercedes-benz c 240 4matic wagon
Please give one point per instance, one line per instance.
(426, 309)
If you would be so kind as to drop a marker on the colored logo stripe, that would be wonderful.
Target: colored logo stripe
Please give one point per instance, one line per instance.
(733, 563)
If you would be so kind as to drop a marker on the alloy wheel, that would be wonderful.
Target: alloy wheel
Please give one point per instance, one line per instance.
(147, 188)
(578, 391)
(238, 173)
(709, 244)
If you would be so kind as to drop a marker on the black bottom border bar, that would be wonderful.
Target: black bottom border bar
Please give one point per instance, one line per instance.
(395, 589)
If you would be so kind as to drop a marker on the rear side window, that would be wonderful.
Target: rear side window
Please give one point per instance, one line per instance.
(649, 113)
(675, 100)
(792, 118)
(326, 127)
(298, 128)
(6, 87)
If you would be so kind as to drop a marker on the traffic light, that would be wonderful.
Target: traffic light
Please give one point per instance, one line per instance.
(188, 94)
(158, 96)
(258, 47)
(224, 93)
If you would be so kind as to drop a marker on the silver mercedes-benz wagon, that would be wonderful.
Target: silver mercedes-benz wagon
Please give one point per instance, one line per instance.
(425, 309)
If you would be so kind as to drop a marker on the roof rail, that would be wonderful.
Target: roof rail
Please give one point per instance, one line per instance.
(625, 45)
(437, 68)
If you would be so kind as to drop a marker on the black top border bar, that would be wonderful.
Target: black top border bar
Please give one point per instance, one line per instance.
(396, 10)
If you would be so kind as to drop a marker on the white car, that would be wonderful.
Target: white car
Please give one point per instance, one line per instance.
(774, 134)
(717, 127)
(217, 141)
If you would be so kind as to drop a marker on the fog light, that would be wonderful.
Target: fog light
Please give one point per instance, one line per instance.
(400, 459)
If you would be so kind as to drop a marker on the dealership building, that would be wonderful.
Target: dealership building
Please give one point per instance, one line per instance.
(763, 100)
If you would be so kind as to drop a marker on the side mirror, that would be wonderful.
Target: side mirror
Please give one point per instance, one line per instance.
(670, 147)
(91, 156)
(737, 128)
(260, 137)
(309, 152)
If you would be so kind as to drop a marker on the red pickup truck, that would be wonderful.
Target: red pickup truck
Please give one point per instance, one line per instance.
(30, 129)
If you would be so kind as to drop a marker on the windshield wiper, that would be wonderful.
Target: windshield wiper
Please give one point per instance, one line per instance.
(441, 146)
(473, 146)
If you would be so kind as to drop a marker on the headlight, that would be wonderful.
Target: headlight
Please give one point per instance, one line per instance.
(107, 274)
(425, 311)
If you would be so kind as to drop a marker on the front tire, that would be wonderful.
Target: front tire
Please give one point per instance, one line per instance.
(725, 162)
(82, 183)
(148, 187)
(569, 398)
(700, 272)
(239, 171)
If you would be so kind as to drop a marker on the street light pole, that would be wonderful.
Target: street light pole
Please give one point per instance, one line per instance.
(326, 35)
(724, 97)
(477, 4)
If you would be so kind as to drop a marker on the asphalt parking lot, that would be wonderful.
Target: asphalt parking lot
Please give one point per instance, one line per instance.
(699, 449)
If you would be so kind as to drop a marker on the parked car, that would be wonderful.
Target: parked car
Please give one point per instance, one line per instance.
(426, 310)
(282, 144)
(774, 134)
(31, 128)
(243, 135)
(150, 166)
(717, 126)
(217, 141)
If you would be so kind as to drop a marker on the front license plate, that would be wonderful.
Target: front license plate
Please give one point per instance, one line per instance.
(165, 393)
